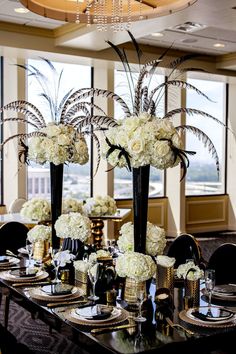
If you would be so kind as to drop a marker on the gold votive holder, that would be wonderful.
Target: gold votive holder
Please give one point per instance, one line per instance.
(40, 250)
(81, 281)
(165, 277)
(192, 291)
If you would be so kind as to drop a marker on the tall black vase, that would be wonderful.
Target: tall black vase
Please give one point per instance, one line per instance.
(56, 176)
(140, 206)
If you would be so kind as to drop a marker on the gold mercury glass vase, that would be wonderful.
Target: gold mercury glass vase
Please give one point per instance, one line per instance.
(132, 287)
(40, 250)
(165, 277)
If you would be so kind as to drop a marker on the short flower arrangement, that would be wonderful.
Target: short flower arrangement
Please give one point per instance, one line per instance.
(134, 265)
(165, 261)
(36, 209)
(72, 205)
(95, 256)
(63, 257)
(189, 271)
(39, 233)
(73, 225)
(58, 143)
(147, 140)
(100, 205)
(155, 239)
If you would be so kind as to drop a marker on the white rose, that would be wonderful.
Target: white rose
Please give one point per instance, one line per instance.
(135, 146)
(162, 148)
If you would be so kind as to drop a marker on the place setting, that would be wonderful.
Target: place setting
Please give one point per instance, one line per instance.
(55, 292)
(7, 262)
(24, 275)
(96, 315)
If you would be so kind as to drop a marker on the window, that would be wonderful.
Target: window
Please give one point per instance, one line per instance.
(1, 131)
(76, 177)
(122, 177)
(202, 177)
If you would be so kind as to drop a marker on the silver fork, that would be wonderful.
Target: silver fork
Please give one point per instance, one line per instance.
(178, 326)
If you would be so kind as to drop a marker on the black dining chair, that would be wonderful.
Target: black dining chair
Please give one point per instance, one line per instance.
(184, 247)
(13, 236)
(223, 260)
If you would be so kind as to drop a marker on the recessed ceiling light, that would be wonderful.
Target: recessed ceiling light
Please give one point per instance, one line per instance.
(219, 45)
(157, 34)
(21, 10)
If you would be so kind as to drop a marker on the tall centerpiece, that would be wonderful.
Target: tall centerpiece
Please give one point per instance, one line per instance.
(142, 138)
(56, 139)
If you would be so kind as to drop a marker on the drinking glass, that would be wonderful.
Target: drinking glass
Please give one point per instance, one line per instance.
(93, 277)
(140, 298)
(29, 248)
(209, 283)
(56, 263)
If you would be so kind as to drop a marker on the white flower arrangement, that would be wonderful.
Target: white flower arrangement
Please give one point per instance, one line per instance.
(100, 205)
(72, 205)
(82, 266)
(36, 209)
(137, 266)
(155, 239)
(39, 233)
(189, 271)
(146, 139)
(93, 257)
(73, 225)
(58, 143)
(63, 257)
(165, 261)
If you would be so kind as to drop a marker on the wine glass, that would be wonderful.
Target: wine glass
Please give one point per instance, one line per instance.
(29, 248)
(140, 298)
(209, 283)
(56, 263)
(93, 277)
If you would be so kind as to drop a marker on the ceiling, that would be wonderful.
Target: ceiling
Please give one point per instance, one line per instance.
(194, 29)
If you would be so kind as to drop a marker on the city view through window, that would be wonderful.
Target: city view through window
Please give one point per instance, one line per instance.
(76, 182)
(202, 177)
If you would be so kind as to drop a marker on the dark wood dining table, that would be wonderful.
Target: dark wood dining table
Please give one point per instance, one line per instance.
(149, 337)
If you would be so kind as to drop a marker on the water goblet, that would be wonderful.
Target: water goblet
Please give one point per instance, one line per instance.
(140, 298)
(93, 277)
(209, 283)
(56, 263)
(29, 248)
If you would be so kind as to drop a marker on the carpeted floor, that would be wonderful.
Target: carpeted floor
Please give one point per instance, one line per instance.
(35, 333)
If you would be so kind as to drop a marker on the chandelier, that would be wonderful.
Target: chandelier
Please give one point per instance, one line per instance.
(118, 13)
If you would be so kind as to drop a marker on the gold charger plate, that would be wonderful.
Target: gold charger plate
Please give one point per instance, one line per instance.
(39, 294)
(185, 316)
(116, 312)
(9, 277)
(123, 316)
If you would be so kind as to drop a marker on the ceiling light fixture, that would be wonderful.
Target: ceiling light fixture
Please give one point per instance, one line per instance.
(21, 10)
(118, 13)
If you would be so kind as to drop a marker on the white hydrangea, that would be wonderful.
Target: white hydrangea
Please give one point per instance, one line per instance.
(82, 266)
(155, 239)
(189, 270)
(36, 209)
(72, 205)
(141, 137)
(39, 233)
(165, 261)
(100, 205)
(73, 225)
(61, 143)
(137, 266)
(94, 256)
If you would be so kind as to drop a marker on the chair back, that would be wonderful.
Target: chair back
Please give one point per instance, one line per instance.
(223, 260)
(184, 247)
(13, 235)
(16, 205)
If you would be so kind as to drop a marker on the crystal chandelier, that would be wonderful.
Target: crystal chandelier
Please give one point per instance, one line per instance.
(117, 13)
